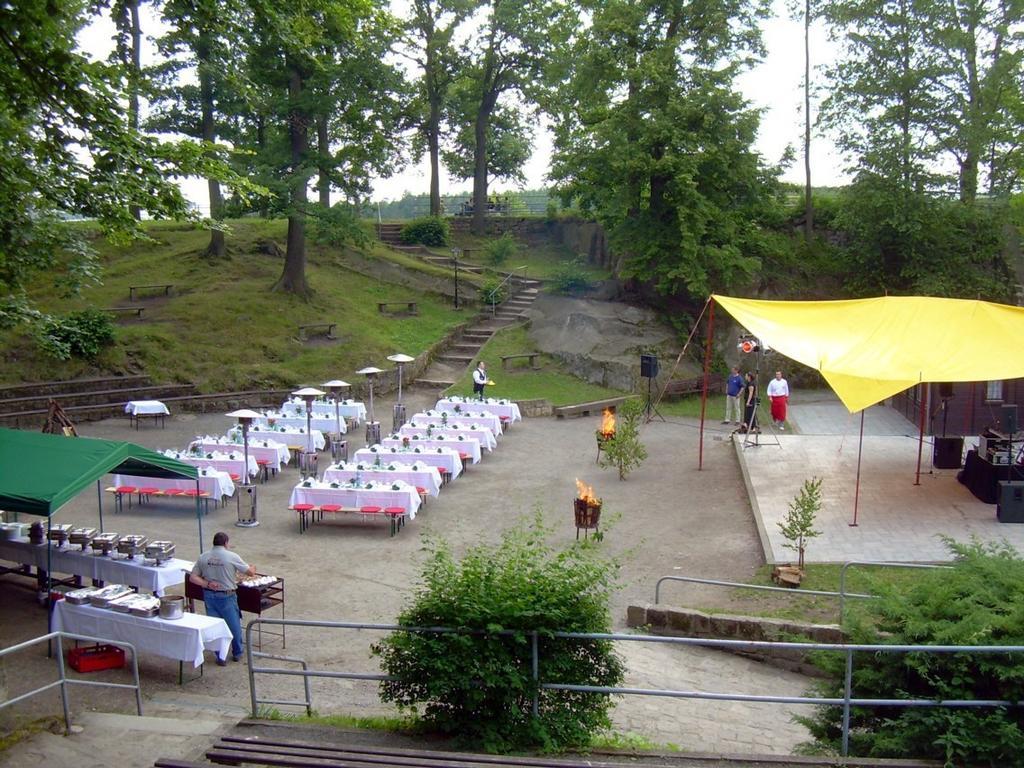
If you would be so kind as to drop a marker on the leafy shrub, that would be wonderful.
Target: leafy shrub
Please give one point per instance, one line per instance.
(429, 230)
(80, 334)
(977, 602)
(338, 226)
(501, 250)
(625, 451)
(569, 278)
(494, 290)
(480, 687)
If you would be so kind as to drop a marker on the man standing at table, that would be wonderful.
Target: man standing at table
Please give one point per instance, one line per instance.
(216, 571)
(733, 390)
(480, 379)
(778, 393)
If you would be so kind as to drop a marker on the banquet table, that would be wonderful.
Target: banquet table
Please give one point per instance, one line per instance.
(443, 459)
(462, 419)
(380, 495)
(112, 568)
(481, 435)
(500, 408)
(288, 436)
(271, 451)
(154, 408)
(419, 474)
(347, 409)
(322, 423)
(470, 447)
(214, 482)
(182, 639)
(982, 477)
(232, 462)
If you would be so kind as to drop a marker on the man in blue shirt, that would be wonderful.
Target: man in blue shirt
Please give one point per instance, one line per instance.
(733, 389)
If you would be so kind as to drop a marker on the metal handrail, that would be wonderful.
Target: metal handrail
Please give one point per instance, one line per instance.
(63, 681)
(493, 293)
(786, 590)
(847, 701)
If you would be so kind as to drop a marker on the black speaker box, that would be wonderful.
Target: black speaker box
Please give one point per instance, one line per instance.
(649, 366)
(1009, 419)
(948, 453)
(1010, 508)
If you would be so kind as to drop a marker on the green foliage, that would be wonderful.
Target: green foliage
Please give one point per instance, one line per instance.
(338, 226)
(625, 451)
(479, 687)
(79, 334)
(499, 251)
(798, 525)
(494, 290)
(570, 278)
(980, 601)
(428, 230)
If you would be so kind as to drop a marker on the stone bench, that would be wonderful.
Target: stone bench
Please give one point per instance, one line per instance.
(531, 356)
(323, 329)
(411, 307)
(133, 289)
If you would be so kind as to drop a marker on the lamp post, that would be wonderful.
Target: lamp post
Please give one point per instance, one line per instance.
(455, 261)
(246, 512)
(334, 386)
(309, 394)
(372, 426)
(398, 418)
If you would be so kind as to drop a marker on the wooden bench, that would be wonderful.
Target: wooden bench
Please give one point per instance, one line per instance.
(323, 329)
(166, 288)
(137, 311)
(531, 356)
(411, 307)
(695, 386)
(595, 406)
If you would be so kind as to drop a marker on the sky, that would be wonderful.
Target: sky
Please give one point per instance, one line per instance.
(773, 86)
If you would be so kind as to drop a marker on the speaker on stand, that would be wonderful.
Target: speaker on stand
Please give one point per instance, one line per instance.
(947, 452)
(649, 370)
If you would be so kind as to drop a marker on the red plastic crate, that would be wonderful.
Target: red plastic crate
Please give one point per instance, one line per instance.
(96, 657)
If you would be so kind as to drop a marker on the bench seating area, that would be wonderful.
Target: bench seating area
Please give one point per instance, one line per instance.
(694, 386)
(322, 329)
(405, 307)
(586, 409)
(137, 311)
(506, 360)
(165, 288)
(145, 494)
(257, 750)
(310, 513)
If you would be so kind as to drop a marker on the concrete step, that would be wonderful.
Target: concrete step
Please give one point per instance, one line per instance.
(455, 358)
(439, 383)
(101, 397)
(60, 388)
(468, 349)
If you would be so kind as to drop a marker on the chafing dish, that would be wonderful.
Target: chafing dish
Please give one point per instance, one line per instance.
(105, 542)
(103, 598)
(143, 605)
(160, 551)
(131, 544)
(36, 534)
(82, 536)
(81, 596)
(256, 582)
(172, 607)
(60, 533)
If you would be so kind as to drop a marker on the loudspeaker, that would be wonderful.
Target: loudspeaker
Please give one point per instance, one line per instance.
(948, 453)
(649, 366)
(1010, 508)
(946, 390)
(1009, 419)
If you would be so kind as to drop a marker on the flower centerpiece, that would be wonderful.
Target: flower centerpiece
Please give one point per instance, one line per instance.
(405, 442)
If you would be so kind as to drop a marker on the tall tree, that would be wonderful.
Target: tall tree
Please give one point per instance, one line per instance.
(128, 51)
(808, 201)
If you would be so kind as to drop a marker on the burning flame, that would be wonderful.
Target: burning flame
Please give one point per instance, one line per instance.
(607, 422)
(585, 493)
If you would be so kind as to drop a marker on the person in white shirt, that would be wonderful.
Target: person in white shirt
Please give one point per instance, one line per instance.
(778, 393)
(480, 379)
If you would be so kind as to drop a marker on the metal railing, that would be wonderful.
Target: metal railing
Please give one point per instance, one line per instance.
(492, 295)
(785, 590)
(847, 701)
(872, 564)
(62, 680)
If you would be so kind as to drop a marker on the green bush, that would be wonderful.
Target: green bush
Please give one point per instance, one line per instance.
(80, 334)
(429, 230)
(625, 451)
(501, 250)
(493, 290)
(980, 601)
(480, 687)
(338, 226)
(569, 278)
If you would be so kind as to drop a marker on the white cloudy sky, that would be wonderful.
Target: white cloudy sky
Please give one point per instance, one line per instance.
(773, 86)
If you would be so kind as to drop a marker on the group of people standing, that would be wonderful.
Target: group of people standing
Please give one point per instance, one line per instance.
(741, 397)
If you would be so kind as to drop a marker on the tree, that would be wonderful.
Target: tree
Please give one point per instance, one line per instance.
(624, 451)
(128, 52)
(798, 525)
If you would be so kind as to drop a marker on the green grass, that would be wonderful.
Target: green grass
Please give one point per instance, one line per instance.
(541, 261)
(549, 383)
(372, 723)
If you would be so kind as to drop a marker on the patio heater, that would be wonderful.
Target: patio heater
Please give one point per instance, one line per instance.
(372, 426)
(246, 495)
(398, 417)
(307, 462)
(339, 447)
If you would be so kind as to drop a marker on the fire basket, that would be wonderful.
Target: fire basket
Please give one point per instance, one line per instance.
(586, 509)
(606, 431)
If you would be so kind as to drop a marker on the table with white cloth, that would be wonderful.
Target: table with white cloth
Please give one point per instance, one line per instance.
(421, 475)
(182, 639)
(212, 481)
(443, 458)
(154, 408)
(500, 408)
(351, 498)
(232, 462)
(288, 436)
(274, 453)
(113, 568)
(347, 409)
(462, 419)
(322, 423)
(469, 447)
(481, 435)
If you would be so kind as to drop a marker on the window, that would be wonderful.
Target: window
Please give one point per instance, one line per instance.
(993, 391)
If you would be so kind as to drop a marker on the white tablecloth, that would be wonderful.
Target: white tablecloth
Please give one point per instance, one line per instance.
(406, 497)
(216, 483)
(290, 436)
(145, 578)
(136, 407)
(322, 423)
(490, 405)
(348, 409)
(426, 476)
(470, 447)
(488, 420)
(221, 461)
(183, 639)
(262, 450)
(481, 435)
(446, 459)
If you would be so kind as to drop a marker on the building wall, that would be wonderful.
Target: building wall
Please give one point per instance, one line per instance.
(967, 412)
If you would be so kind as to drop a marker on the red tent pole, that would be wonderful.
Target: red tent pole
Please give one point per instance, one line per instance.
(856, 487)
(920, 440)
(704, 389)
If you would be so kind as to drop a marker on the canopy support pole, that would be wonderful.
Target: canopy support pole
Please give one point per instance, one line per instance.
(99, 503)
(199, 513)
(704, 389)
(856, 487)
(49, 581)
(923, 389)
(969, 426)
